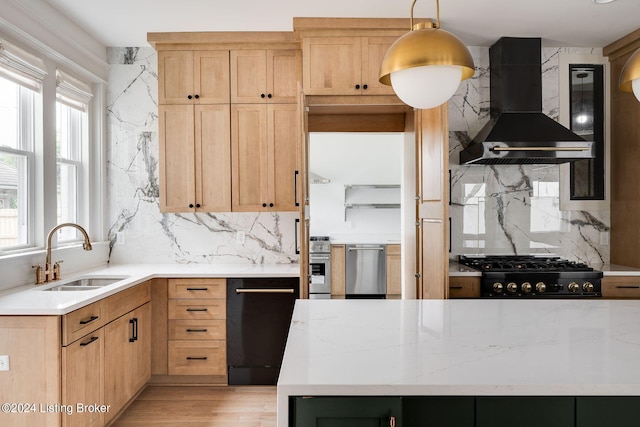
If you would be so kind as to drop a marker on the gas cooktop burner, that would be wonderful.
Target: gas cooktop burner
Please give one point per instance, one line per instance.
(511, 276)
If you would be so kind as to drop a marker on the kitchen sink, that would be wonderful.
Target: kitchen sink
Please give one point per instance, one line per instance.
(86, 284)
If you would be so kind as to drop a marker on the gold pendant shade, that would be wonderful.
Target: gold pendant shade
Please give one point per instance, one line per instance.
(630, 72)
(423, 47)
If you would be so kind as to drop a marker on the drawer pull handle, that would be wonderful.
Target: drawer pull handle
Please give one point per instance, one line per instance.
(196, 358)
(455, 287)
(628, 287)
(196, 330)
(197, 289)
(197, 309)
(265, 291)
(89, 320)
(84, 344)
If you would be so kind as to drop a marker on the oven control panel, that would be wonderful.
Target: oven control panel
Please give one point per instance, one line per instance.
(540, 286)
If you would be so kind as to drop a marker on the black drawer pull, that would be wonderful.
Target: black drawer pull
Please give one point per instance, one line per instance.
(197, 309)
(628, 287)
(89, 320)
(197, 289)
(196, 330)
(196, 358)
(455, 287)
(84, 344)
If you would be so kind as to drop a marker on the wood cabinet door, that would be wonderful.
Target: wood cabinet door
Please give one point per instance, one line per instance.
(127, 357)
(284, 71)
(338, 271)
(213, 158)
(450, 411)
(525, 411)
(332, 65)
(394, 271)
(211, 77)
(249, 158)
(175, 77)
(83, 379)
(177, 153)
(464, 287)
(373, 51)
(282, 128)
(248, 76)
(598, 411)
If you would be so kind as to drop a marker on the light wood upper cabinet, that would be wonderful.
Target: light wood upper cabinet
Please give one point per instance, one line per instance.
(193, 77)
(195, 158)
(265, 157)
(265, 76)
(344, 65)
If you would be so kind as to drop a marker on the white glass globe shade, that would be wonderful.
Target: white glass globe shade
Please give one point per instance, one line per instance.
(426, 87)
(635, 84)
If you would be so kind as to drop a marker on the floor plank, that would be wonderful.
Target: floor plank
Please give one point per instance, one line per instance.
(247, 406)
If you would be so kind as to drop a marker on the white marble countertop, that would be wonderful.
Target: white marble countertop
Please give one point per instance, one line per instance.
(34, 300)
(460, 347)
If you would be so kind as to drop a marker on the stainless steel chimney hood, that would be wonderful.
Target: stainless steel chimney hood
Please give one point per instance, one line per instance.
(518, 132)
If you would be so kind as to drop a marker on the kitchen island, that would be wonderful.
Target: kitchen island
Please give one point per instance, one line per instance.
(476, 349)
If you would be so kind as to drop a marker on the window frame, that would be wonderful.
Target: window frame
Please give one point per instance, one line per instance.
(564, 88)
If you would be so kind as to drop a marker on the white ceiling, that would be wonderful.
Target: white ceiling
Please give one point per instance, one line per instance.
(570, 23)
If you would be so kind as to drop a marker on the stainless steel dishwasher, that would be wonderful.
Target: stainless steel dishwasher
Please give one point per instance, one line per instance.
(366, 271)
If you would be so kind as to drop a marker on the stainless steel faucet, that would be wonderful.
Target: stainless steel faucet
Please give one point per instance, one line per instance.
(53, 272)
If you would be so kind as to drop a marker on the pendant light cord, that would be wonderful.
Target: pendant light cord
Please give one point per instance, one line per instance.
(437, 14)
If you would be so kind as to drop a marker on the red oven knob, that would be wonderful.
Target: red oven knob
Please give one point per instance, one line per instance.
(526, 287)
(587, 287)
(541, 287)
(512, 287)
(497, 287)
(574, 287)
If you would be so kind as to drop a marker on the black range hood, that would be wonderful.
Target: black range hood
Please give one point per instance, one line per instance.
(518, 132)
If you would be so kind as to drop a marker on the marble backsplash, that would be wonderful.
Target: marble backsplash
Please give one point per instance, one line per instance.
(494, 209)
(132, 180)
(514, 209)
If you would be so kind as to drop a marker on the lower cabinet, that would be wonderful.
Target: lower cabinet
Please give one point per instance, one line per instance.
(466, 411)
(83, 380)
(348, 412)
(127, 357)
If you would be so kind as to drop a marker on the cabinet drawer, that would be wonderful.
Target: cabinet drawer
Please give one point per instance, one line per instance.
(197, 330)
(127, 300)
(197, 309)
(197, 358)
(621, 287)
(82, 321)
(197, 288)
(464, 287)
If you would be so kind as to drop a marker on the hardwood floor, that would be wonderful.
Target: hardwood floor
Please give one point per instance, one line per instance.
(247, 406)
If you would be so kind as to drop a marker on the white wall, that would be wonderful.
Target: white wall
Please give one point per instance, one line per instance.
(355, 159)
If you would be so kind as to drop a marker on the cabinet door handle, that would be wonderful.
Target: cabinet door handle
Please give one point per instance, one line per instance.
(295, 188)
(134, 329)
(392, 421)
(269, 96)
(262, 95)
(197, 96)
(295, 232)
(197, 289)
(84, 344)
(357, 86)
(189, 96)
(196, 330)
(264, 205)
(191, 205)
(365, 86)
(197, 205)
(196, 358)
(89, 320)
(270, 205)
(197, 309)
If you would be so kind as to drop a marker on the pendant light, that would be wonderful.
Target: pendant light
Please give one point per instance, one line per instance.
(630, 76)
(426, 65)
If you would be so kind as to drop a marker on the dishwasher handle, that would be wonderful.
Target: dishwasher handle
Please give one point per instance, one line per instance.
(366, 249)
(264, 291)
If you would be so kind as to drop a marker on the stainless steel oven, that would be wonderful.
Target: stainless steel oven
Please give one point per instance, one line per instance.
(319, 267)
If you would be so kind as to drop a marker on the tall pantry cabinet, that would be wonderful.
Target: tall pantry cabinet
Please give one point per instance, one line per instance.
(228, 121)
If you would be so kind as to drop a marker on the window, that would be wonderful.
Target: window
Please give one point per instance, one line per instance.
(17, 118)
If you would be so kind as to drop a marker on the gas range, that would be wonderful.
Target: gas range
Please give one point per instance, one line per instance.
(514, 276)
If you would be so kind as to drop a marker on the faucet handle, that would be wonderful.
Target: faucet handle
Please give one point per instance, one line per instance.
(39, 274)
(56, 270)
